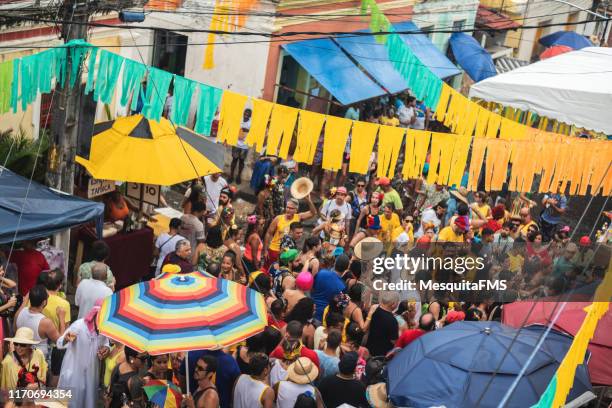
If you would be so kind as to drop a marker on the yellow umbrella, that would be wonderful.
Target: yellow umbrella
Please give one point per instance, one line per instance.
(139, 150)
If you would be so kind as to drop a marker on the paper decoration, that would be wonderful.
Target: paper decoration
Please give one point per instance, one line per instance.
(417, 144)
(390, 140)
(208, 103)
(310, 125)
(334, 141)
(442, 147)
(479, 147)
(131, 85)
(181, 101)
(363, 137)
(259, 123)
(6, 79)
(459, 160)
(282, 124)
(156, 92)
(498, 156)
(230, 117)
(108, 72)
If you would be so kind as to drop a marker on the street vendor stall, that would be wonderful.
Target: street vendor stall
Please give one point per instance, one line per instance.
(145, 154)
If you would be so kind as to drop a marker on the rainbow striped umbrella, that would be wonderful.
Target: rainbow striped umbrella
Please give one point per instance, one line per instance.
(182, 312)
(163, 394)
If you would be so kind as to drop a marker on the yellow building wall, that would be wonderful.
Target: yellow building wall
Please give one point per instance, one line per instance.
(19, 119)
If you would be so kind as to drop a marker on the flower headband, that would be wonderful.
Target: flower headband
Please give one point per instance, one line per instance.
(252, 219)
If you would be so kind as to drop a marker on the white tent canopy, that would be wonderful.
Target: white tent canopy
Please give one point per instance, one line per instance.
(575, 88)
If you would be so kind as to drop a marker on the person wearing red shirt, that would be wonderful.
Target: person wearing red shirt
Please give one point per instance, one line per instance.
(30, 263)
(427, 323)
(291, 348)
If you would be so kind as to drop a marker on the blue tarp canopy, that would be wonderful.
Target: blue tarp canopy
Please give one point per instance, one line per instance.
(45, 211)
(567, 38)
(474, 59)
(426, 51)
(328, 64)
(374, 58)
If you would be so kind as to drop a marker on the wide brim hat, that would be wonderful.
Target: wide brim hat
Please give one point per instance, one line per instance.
(377, 396)
(460, 194)
(368, 248)
(23, 335)
(301, 187)
(302, 371)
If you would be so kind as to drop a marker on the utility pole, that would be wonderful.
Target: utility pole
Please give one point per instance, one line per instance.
(64, 136)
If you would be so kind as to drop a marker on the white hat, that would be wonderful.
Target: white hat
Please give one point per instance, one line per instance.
(301, 187)
(23, 335)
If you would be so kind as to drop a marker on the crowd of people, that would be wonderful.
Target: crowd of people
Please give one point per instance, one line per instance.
(330, 331)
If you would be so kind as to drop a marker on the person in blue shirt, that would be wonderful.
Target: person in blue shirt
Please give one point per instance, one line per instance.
(327, 284)
(227, 373)
(554, 207)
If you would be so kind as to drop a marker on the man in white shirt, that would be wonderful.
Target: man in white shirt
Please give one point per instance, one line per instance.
(337, 203)
(406, 114)
(192, 227)
(166, 242)
(90, 290)
(241, 150)
(213, 184)
(432, 215)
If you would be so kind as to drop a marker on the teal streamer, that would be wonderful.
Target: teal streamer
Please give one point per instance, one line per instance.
(91, 67)
(60, 62)
(78, 54)
(15, 85)
(133, 73)
(45, 70)
(181, 102)
(207, 106)
(106, 80)
(29, 80)
(157, 91)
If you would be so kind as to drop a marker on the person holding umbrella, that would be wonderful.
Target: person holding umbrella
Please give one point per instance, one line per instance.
(206, 395)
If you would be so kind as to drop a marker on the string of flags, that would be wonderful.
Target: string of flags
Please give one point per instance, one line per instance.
(485, 145)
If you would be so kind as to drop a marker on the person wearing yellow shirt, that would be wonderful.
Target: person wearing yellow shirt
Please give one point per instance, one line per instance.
(55, 302)
(403, 235)
(22, 356)
(388, 118)
(526, 223)
(481, 204)
(454, 232)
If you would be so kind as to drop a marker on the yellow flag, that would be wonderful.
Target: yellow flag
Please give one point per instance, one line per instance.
(390, 140)
(478, 151)
(417, 145)
(230, 117)
(442, 146)
(310, 125)
(363, 137)
(459, 159)
(282, 124)
(334, 141)
(259, 123)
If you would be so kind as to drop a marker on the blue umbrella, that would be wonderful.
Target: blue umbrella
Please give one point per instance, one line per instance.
(452, 367)
(474, 59)
(567, 38)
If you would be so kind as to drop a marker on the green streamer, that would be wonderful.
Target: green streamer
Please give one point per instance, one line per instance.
(157, 91)
(15, 85)
(106, 80)
(91, 67)
(60, 60)
(183, 92)
(6, 79)
(45, 70)
(78, 54)
(29, 81)
(207, 106)
(133, 74)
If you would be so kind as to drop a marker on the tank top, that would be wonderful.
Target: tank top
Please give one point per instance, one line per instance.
(32, 320)
(109, 365)
(247, 250)
(288, 393)
(282, 228)
(248, 392)
(117, 213)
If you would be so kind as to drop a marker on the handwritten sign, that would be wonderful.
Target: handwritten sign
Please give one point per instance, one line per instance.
(148, 193)
(99, 187)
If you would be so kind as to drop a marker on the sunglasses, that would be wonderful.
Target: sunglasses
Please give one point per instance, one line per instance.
(360, 185)
(21, 345)
(200, 368)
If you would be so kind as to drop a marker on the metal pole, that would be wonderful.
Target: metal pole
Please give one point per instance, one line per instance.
(586, 10)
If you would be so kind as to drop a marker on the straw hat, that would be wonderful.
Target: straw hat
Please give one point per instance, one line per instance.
(368, 248)
(23, 335)
(301, 187)
(460, 194)
(377, 395)
(302, 371)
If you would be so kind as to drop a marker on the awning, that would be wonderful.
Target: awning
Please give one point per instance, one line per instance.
(574, 88)
(328, 64)
(474, 59)
(374, 58)
(494, 20)
(426, 51)
(43, 213)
